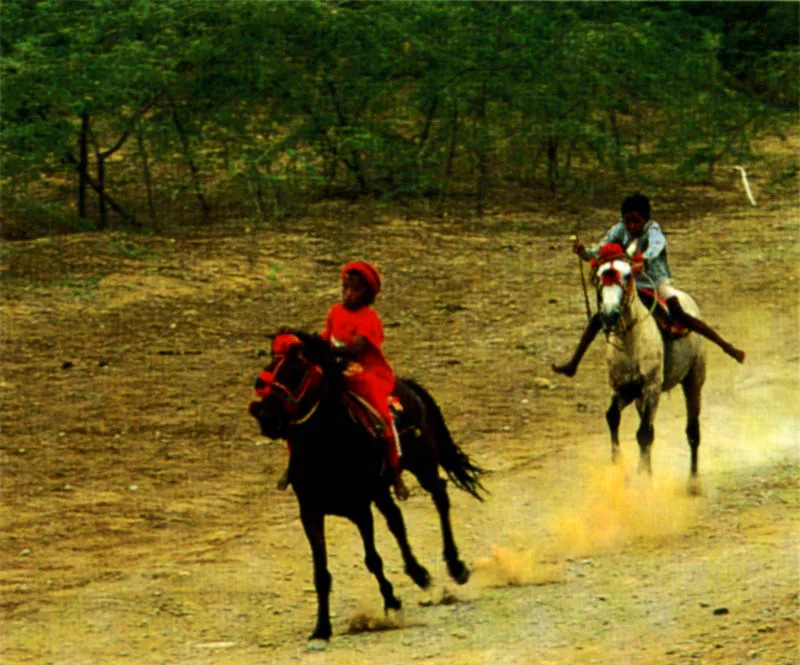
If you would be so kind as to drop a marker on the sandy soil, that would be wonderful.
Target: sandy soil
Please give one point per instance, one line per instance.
(140, 520)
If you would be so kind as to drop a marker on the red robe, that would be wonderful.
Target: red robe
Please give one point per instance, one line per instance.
(369, 375)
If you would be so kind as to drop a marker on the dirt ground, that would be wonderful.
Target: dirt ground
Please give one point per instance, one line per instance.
(141, 523)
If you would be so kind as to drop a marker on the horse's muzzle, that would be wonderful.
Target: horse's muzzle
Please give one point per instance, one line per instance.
(611, 320)
(271, 423)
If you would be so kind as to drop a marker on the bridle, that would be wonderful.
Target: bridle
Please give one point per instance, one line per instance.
(297, 391)
(607, 274)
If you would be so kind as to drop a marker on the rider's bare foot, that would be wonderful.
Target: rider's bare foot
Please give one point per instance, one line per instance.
(567, 370)
(737, 354)
(283, 481)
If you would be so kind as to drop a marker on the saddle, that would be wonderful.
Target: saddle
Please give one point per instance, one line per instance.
(670, 329)
(364, 414)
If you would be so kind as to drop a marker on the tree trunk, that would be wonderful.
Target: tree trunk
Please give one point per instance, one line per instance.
(101, 191)
(482, 151)
(552, 164)
(451, 155)
(148, 180)
(198, 189)
(83, 164)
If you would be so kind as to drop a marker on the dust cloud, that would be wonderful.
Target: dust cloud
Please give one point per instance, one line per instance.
(610, 506)
(619, 507)
(366, 618)
(509, 567)
(751, 417)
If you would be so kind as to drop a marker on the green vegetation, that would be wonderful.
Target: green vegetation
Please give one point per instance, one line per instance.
(145, 113)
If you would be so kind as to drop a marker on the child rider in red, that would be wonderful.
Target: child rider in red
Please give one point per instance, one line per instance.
(356, 330)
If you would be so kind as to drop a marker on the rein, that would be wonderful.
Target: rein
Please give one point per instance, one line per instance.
(311, 379)
(306, 417)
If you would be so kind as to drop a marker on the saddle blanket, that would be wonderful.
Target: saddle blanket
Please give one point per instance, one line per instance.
(669, 327)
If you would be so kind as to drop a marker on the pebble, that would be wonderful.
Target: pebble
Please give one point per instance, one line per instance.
(216, 645)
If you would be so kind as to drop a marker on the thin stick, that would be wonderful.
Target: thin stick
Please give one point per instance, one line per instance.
(574, 238)
(746, 184)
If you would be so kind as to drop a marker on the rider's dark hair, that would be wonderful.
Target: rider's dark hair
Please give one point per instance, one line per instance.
(637, 203)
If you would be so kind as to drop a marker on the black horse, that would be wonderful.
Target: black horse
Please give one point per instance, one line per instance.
(337, 468)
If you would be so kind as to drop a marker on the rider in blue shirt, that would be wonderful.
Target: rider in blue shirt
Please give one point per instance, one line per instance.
(639, 235)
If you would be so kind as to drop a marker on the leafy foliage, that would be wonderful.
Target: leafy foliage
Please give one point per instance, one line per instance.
(166, 109)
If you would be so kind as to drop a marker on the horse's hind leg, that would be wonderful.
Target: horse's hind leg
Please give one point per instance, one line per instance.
(394, 520)
(437, 487)
(373, 561)
(692, 391)
(314, 526)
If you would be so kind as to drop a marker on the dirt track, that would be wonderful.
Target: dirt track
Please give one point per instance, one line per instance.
(140, 520)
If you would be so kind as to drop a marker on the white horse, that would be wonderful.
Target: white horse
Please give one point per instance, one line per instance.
(641, 365)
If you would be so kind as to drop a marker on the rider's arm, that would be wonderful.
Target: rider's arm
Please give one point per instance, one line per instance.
(352, 350)
(615, 234)
(656, 242)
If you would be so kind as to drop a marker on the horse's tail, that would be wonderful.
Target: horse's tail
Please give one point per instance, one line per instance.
(456, 463)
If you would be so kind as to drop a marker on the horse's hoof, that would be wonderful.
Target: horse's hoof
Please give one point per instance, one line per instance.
(565, 370)
(459, 572)
(694, 488)
(321, 633)
(392, 604)
(422, 578)
(316, 644)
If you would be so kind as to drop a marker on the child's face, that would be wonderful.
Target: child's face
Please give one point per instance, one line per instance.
(634, 222)
(355, 291)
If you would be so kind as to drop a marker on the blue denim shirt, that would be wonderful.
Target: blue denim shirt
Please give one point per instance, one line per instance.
(652, 244)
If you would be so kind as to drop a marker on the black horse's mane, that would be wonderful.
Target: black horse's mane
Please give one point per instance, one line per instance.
(317, 351)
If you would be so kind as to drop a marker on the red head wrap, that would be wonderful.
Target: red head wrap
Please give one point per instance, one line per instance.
(367, 271)
(608, 252)
(283, 342)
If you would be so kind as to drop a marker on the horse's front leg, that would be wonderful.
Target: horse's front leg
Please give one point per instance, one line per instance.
(647, 406)
(314, 526)
(613, 416)
(373, 561)
(394, 520)
(619, 401)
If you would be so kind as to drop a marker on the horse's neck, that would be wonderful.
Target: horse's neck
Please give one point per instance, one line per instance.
(638, 323)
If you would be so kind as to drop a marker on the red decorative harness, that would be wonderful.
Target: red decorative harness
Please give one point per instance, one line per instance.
(300, 396)
(291, 390)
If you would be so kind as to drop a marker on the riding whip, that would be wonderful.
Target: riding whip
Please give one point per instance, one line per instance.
(574, 239)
